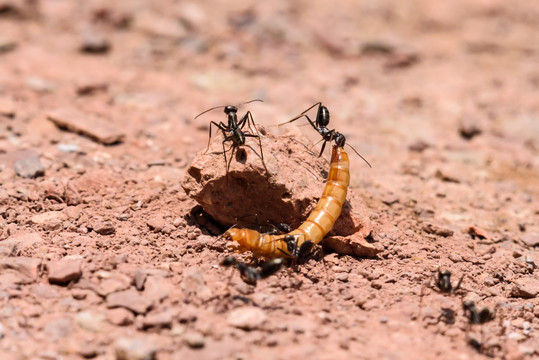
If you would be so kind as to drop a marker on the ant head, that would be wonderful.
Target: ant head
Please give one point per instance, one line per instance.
(288, 238)
(229, 261)
(339, 138)
(230, 109)
(444, 273)
(468, 305)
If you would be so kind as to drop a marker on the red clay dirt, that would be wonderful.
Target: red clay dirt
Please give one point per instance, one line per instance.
(103, 255)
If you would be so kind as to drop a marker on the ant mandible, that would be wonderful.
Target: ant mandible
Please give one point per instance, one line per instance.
(234, 132)
(321, 126)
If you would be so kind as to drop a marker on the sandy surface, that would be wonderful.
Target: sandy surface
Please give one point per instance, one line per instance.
(102, 255)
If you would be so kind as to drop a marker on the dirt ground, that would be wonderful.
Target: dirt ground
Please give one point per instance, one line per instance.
(103, 257)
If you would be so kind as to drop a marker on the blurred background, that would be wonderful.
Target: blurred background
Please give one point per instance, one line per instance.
(406, 71)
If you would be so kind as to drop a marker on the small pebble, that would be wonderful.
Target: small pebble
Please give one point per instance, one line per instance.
(195, 340)
(65, 270)
(134, 348)
(469, 128)
(94, 43)
(455, 258)
(68, 148)
(7, 45)
(104, 227)
(120, 317)
(29, 167)
(247, 318)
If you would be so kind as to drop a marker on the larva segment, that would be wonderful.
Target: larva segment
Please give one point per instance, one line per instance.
(319, 222)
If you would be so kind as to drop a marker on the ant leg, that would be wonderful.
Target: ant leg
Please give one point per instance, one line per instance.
(323, 147)
(230, 160)
(252, 121)
(303, 114)
(246, 119)
(314, 124)
(458, 284)
(228, 138)
(261, 151)
(220, 126)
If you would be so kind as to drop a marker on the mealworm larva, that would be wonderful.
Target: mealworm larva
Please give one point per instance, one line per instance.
(317, 225)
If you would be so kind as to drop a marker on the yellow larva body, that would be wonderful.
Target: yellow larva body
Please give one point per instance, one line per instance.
(319, 222)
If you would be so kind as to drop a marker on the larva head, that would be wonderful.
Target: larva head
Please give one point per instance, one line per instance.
(233, 234)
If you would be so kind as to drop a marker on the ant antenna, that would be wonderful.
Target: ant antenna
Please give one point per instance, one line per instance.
(358, 154)
(222, 236)
(223, 106)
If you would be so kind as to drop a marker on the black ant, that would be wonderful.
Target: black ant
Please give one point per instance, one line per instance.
(320, 125)
(477, 316)
(234, 131)
(447, 316)
(251, 274)
(443, 282)
(295, 251)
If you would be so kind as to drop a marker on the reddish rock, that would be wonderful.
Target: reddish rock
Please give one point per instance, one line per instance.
(25, 162)
(94, 42)
(29, 167)
(160, 319)
(49, 221)
(93, 126)
(478, 233)
(104, 227)
(90, 87)
(27, 267)
(195, 340)
(59, 328)
(140, 279)
(65, 270)
(194, 283)
(7, 105)
(120, 317)
(352, 245)
(526, 287)
(157, 288)
(117, 282)
(135, 348)
(157, 25)
(252, 198)
(156, 223)
(130, 299)
(531, 239)
(45, 291)
(437, 230)
(247, 318)
(21, 241)
(469, 127)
